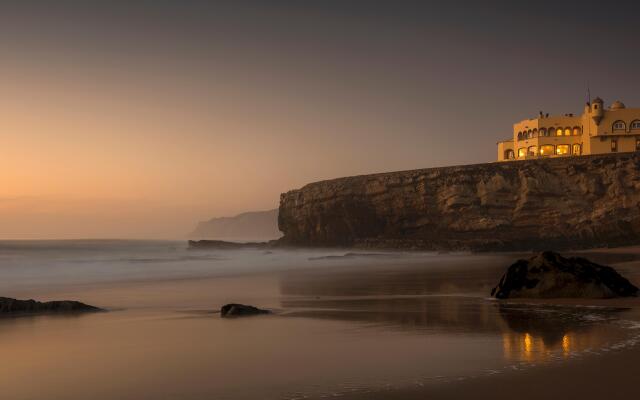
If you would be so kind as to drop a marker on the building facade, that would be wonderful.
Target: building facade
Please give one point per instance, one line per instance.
(598, 130)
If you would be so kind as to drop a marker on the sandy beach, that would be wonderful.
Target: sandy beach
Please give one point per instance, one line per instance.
(347, 324)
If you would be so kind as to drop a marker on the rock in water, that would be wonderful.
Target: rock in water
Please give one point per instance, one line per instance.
(549, 275)
(9, 306)
(240, 310)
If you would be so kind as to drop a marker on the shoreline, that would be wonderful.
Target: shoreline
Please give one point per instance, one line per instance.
(574, 378)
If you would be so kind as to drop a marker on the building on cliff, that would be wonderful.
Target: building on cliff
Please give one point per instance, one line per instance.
(598, 130)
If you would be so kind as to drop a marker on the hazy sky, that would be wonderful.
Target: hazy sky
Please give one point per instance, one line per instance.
(139, 118)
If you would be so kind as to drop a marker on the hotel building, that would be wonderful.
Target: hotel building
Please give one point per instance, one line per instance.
(598, 130)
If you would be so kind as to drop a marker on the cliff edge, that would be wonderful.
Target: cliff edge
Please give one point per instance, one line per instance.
(559, 203)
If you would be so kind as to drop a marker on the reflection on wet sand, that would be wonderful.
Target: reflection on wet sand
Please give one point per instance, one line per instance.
(388, 300)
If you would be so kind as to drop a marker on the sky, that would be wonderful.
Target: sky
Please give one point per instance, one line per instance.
(136, 119)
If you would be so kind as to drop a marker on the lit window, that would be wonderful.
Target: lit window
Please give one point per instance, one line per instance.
(576, 131)
(559, 132)
(508, 155)
(577, 149)
(614, 145)
(619, 125)
(532, 150)
(547, 150)
(567, 132)
(635, 125)
(522, 152)
(562, 149)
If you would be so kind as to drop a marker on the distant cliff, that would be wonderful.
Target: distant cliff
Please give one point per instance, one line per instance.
(256, 225)
(572, 202)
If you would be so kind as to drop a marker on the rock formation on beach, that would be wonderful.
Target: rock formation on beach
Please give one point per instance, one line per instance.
(559, 203)
(9, 306)
(222, 245)
(240, 310)
(549, 275)
(255, 225)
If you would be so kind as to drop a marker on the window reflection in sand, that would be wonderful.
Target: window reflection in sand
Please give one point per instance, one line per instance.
(391, 301)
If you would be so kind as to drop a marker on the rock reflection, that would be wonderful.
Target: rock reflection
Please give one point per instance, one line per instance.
(391, 300)
(537, 334)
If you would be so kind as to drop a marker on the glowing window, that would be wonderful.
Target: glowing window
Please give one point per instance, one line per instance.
(522, 152)
(562, 149)
(567, 132)
(577, 149)
(559, 132)
(576, 131)
(547, 150)
(619, 125)
(532, 150)
(635, 125)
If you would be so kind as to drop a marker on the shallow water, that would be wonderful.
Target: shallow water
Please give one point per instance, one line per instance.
(343, 323)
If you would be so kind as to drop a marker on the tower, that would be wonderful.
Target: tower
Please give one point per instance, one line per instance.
(597, 110)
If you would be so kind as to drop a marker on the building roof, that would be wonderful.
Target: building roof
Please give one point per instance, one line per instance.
(617, 105)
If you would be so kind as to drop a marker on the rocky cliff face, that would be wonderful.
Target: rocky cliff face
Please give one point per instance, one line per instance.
(573, 202)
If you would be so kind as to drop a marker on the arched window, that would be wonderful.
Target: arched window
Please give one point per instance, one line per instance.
(559, 132)
(577, 149)
(562, 149)
(576, 131)
(522, 152)
(534, 133)
(543, 132)
(547, 150)
(532, 151)
(519, 135)
(567, 131)
(529, 134)
(635, 124)
(509, 155)
(619, 126)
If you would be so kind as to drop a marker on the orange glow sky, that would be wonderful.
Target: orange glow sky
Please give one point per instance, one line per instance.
(139, 121)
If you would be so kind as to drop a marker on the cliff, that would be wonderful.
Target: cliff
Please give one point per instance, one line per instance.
(560, 203)
(255, 225)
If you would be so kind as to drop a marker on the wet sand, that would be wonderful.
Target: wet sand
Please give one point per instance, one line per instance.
(353, 326)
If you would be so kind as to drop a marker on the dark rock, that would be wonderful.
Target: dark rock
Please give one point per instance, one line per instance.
(9, 306)
(240, 310)
(224, 245)
(549, 275)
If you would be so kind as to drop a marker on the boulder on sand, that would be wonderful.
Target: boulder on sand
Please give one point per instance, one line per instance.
(240, 310)
(9, 306)
(549, 275)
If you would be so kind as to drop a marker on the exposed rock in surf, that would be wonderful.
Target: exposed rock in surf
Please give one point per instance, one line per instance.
(9, 306)
(240, 310)
(223, 245)
(549, 275)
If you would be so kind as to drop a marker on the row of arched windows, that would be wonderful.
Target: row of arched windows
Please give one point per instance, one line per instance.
(533, 133)
(622, 126)
(544, 150)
